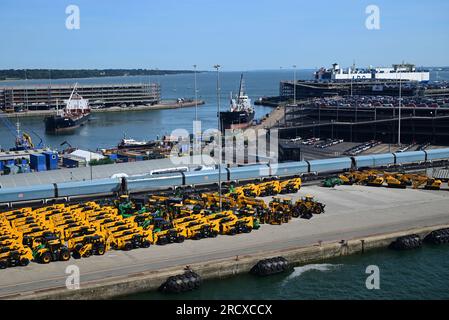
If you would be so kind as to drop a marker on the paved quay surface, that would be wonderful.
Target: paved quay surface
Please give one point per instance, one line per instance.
(351, 212)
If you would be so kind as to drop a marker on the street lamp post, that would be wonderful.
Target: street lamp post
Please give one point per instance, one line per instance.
(399, 111)
(217, 67)
(90, 165)
(196, 95)
(294, 84)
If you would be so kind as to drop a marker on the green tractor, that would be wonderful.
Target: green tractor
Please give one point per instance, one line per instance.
(332, 182)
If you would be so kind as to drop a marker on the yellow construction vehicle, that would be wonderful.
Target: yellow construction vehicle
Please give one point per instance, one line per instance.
(86, 246)
(18, 257)
(269, 188)
(130, 239)
(372, 179)
(290, 186)
(233, 225)
(428, 183)
(307, 206)
(183, 221)
(251, 190)
(394, 181)
(282, 208)
(202, 230)
(79, 232)
(174, 235)
(347, 178)
(49, 248)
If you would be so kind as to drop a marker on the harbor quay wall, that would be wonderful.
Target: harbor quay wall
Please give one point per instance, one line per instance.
(223, 268)
(160, 106)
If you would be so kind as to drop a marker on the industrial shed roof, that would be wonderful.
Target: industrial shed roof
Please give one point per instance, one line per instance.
(84, 173)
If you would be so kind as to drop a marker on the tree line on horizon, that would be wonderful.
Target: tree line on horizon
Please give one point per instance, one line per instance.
(22, 74)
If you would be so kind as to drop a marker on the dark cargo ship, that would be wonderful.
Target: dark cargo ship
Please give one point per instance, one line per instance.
(241, 114)
(74, 115)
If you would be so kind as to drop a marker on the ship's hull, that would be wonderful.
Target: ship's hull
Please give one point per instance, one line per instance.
(136, 146)
(64, 123)
(236, 119)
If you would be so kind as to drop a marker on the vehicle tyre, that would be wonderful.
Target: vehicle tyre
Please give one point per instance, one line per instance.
(45, 258)
(64, 255)
(145, 244)
(3, 264)
(128, 246)
(24, 262)
(101, 250)
(76, 255)
(180, 239)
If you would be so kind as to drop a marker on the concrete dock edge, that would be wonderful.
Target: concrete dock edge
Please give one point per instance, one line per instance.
(147, 281)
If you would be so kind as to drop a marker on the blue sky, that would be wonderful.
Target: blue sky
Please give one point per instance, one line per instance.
(238, 34)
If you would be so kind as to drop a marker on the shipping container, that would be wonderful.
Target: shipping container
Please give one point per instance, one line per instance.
(37, 162)
(70, 162)
(51, 160)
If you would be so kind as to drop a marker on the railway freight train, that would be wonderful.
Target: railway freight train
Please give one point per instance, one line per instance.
(192, 179)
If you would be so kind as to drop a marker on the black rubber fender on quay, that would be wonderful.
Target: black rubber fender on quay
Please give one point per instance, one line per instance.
(181, 283)
(270, 266)
(412, 241)
(440, 236)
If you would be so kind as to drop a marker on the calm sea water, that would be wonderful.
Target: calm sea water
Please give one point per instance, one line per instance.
(106, 129)
(418, 274)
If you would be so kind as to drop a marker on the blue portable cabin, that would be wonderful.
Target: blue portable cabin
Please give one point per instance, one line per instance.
(166, 181)
(26, 193)
(51, 160)
(88, 187)
(437, 154)
(38, 162)
(247, 173)
(409, 157)
(289, 169)
(330, 165)
(205, 177)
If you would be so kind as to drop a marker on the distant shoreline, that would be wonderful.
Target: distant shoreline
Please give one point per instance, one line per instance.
(60, 74)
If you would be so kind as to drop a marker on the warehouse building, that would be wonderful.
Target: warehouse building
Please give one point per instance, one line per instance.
(45, 97)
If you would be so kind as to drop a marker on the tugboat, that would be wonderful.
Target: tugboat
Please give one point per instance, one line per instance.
(74, 115)
(241, 114)
(127, 143)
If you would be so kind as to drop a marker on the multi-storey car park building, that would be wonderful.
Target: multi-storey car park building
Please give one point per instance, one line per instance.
(48, 97)
(359, 119)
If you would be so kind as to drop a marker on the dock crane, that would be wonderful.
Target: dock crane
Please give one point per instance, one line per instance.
(23, 140)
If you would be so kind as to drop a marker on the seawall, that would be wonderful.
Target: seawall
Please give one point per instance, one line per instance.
(160, 106)
(213, 269)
